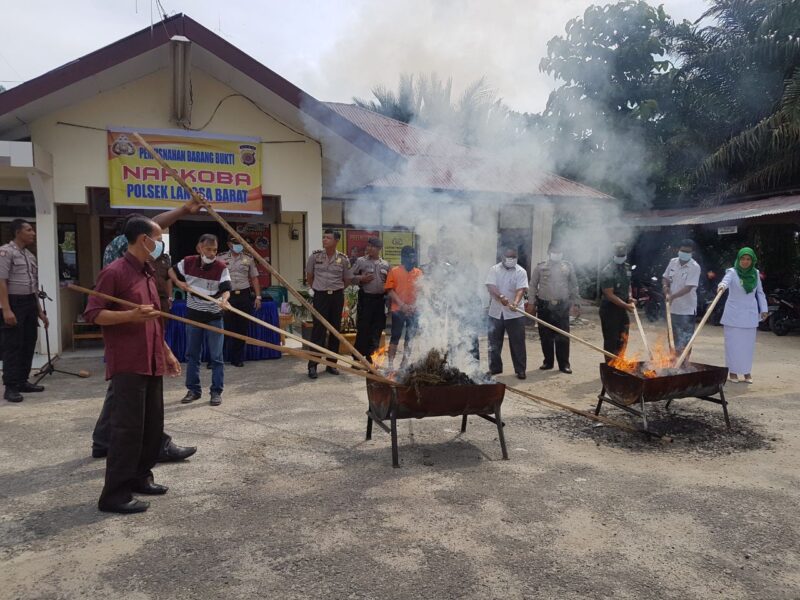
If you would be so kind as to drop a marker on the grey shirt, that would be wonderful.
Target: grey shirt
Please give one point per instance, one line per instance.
(554, 281)
(377, 267)
(329, 272)
(242, 268)
(19, 269)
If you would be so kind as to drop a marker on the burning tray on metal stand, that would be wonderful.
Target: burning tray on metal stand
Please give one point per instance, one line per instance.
(389, 402)
(624, 389)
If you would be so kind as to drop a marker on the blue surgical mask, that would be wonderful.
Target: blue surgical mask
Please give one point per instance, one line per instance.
(158, 250)
(684, 256)
(238, 248)
(620, 260)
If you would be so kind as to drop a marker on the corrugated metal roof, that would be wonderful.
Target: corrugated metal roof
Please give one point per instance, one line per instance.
(717, 214)
(435, 162)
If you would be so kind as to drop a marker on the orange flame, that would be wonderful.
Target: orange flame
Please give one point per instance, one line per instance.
(662, 358)
(379, 356)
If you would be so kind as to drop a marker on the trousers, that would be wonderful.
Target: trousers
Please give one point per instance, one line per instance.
(516, 342)
(18, 343)
(682, 330)
(238, 324)
(615, 324)
(102, 429)
(370, 322)
(557, 315)
(194, 342)
(137, 421)
(330, 307)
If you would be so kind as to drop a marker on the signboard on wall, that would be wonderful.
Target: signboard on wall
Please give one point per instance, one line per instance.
(393, 242)
(727, 230)
(357, 242)
(225, 170)
(258, 236)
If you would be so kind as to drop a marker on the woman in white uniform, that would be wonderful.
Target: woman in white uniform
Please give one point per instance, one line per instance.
(745, 307)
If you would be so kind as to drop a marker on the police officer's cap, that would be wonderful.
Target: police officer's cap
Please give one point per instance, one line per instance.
(620, 249)
(375, 242)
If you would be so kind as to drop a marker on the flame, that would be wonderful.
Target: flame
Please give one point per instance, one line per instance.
(379, 356)
(662, 358)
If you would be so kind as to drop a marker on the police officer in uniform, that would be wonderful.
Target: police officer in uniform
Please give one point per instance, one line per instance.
(555, 286)
(245, 295)
(369, 273)
(615, 283)
(19, 285)
(327, 273)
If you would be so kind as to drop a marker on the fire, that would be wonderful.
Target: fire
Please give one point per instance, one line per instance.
(379, 356)
(662, 358)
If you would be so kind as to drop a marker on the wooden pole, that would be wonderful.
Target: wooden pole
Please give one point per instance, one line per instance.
(271, 327)
(670, 335)
(248, 340)
(641, 333)
(261, 260)
(711, 307)
(566, 333)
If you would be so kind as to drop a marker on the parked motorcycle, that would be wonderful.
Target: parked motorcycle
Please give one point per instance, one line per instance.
(648, 295)
(787, 316)
(706, 293)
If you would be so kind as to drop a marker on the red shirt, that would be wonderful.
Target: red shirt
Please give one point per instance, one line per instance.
(130, 347)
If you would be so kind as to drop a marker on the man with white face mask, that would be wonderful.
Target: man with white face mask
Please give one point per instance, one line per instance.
(205, 273)
(680, 281)
(615, 283)
(507, 283)
(555, 287)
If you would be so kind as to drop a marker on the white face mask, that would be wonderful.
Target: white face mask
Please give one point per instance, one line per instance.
(620, 260)
(509, 263)
(206, 260)
(684, 256)
(556, 256)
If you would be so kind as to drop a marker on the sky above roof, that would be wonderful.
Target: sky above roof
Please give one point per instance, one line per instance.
(332, 49)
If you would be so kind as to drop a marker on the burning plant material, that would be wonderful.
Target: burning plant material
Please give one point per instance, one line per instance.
(433, 369)
(662, 363)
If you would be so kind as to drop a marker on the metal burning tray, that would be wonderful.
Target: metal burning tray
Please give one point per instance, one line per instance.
(624, 389)
(388, 402)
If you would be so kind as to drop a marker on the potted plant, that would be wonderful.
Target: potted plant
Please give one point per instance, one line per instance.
(349, 316)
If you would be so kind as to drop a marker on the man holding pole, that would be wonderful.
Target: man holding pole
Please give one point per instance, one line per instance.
(555, 287)
(369, 273)
(507, 283)
(615, 283)
(137, 357)
(245, 296)
(327, 274)
(680, 281)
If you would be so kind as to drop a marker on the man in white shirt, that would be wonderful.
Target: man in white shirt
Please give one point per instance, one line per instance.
(507, 282)
(680, 281)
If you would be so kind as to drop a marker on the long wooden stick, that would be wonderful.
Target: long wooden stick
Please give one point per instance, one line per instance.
(711, 307)
(207, 205)
(271, 327)
(573, 410)
(566, 333)
(670, 334)
(295, 352)
(641, 333)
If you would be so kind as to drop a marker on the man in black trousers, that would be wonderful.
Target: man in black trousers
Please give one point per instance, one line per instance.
(369, 273)
(20, 308)
(327, 273)
(136, 357)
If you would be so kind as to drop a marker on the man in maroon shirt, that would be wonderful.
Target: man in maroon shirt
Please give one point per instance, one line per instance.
(136, 359)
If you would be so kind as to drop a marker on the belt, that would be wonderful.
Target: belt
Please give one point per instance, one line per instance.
(21, 296)
(553, 302)
(237, 292)
(368, 295)
(329, 292)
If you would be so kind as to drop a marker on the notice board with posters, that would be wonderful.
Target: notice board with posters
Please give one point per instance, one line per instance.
(258, 236)
(357, 242)
(225, 170)
(393, 242)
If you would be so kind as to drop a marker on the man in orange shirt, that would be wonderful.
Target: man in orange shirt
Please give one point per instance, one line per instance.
(401, 285)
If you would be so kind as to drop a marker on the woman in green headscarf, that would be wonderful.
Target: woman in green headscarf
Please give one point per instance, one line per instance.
(745, 307)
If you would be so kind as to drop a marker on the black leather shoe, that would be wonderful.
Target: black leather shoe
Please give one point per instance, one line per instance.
(521, 376)
(173, 453)
(13, 395)
(132, 506)
(545, 367)
(99, 452)
(566, 370)
(216, 399)
(30, 388)
(190, 397)
(332, 370)
(150, 489)
(237, 364)
(312, 372)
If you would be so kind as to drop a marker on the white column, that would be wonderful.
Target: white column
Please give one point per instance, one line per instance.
(542, 228)
(47, 253)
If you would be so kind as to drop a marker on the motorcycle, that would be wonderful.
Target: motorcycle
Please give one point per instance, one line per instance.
(648, 296)
(787, 316)
(705, 296)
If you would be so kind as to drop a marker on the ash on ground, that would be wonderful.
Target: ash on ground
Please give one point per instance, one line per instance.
(694, 431)
(433, 369)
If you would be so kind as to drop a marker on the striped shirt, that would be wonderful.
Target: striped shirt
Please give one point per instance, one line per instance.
(212, 280)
